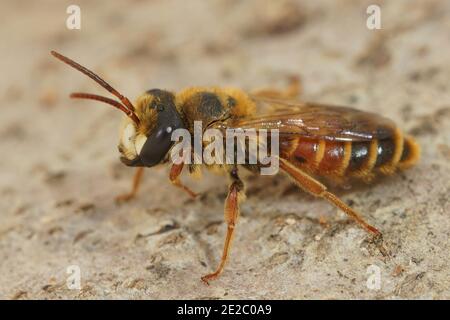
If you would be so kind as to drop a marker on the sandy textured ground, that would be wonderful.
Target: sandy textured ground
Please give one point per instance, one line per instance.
(60, 169)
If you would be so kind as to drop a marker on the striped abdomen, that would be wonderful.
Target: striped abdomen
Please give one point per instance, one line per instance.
(360, 159)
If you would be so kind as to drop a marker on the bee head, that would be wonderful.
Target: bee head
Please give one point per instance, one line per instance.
(145, 137)
(148, 143)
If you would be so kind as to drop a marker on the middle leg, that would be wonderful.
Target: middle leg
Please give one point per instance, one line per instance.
(174, 177)
(235, 195)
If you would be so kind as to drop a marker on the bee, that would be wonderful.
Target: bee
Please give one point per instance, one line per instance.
(315, 140)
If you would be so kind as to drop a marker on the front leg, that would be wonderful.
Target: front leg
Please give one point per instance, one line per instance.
(174, 177)
(235, 194)
(134, 189)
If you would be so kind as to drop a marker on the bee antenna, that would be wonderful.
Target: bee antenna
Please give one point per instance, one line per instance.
(114, 103)
(94, 77)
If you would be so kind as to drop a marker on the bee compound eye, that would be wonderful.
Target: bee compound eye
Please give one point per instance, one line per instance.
(156, 147)
(159, 141)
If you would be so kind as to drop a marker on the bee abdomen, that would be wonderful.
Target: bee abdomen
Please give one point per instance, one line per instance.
(359, 159)
(322, 157)
(410, 153)
(359, 155)
(384, 156)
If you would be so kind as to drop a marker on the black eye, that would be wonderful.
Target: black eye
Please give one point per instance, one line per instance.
(159, 141)
(156, 147)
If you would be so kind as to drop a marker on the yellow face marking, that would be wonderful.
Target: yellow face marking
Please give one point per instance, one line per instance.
(127, 137)
(140, 141)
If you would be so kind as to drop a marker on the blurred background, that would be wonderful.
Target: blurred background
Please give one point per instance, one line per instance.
(60, 170)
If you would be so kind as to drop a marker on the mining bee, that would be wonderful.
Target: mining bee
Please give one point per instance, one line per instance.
(331, 142)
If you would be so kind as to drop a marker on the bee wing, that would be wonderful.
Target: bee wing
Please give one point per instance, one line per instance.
(314, 120)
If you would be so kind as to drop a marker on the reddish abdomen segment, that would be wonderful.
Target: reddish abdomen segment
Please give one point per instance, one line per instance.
(360, 159)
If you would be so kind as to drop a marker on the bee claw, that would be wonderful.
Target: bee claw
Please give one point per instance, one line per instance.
(205, 279)
(209, 277)
(381, 245)
(193, 194)
(122, 198)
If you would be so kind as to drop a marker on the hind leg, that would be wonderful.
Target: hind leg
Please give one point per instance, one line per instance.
(317, 189)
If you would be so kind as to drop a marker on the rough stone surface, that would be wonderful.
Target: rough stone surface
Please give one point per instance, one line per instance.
(60, 169)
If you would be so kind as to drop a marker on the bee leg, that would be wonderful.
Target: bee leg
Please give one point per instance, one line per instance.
(317, 189)
(293, 90)
(134, 189)
(174, 177)
(235, 194)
